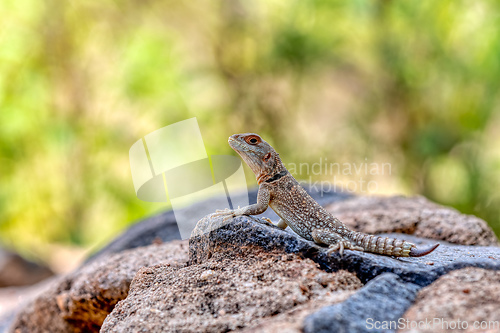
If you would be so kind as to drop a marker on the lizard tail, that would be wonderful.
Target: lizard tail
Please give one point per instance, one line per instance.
(388, 246)
(414, 252)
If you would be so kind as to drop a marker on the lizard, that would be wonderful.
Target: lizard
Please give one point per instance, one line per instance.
(279, 190)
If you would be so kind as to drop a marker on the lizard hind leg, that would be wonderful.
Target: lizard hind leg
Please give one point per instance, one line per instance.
(335, 241)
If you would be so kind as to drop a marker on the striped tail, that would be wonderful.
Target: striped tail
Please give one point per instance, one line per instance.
(388, 246)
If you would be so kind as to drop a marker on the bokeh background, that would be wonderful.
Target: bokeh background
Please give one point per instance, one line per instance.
(410, 83)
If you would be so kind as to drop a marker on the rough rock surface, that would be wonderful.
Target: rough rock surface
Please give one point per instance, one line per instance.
(17, 271)
(232, 290)
(416, 215)
(362, 311)
(247, 231)
(239, 278)
(13, 298)
(469, 295)
(80, 301)
(386, 296)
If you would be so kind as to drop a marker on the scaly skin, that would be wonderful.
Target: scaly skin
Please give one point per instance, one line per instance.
(279, 190)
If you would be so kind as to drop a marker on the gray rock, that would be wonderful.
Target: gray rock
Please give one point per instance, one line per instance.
(416, 216)
(471, 295)
(381, 302)
(393, 281)
(247, 231)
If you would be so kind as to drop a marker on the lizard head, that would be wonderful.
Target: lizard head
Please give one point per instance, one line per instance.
(257, 154)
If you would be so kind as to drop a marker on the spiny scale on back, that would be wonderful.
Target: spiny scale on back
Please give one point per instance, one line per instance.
(279, 190)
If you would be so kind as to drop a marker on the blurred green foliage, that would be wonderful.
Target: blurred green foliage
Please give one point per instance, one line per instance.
(411, 83)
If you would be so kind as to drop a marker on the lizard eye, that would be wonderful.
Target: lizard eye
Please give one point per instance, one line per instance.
(253, 140)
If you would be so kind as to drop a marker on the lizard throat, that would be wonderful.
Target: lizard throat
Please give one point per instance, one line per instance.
(273, 178)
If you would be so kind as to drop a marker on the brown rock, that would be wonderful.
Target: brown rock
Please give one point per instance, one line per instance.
(232, 290)
(80, 301)
(469, 295)
(292, 321)
(13, 298)
(17, 271)
(416, 215)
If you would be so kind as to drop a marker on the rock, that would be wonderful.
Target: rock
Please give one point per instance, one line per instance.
(471, 295)
(17, 271)
(292, 321)
(383, 300)
(42, 314)
(416, 215)
(250, 276)
(12, 299)
(233, 290)
(20, 281)
(246, 231)
(6, 319)
(64, 306)
(227, 284)
(80, 301)
(391, 283)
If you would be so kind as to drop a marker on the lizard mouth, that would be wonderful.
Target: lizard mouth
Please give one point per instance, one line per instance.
(245, 153)
(235, 144)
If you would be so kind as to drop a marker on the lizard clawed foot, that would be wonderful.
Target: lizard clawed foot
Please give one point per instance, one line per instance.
(267, 221)
(224, 213)
(341, 245)
(336, 247)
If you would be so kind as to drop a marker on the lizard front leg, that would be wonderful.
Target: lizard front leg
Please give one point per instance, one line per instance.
(263, 197)
(335, 241)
